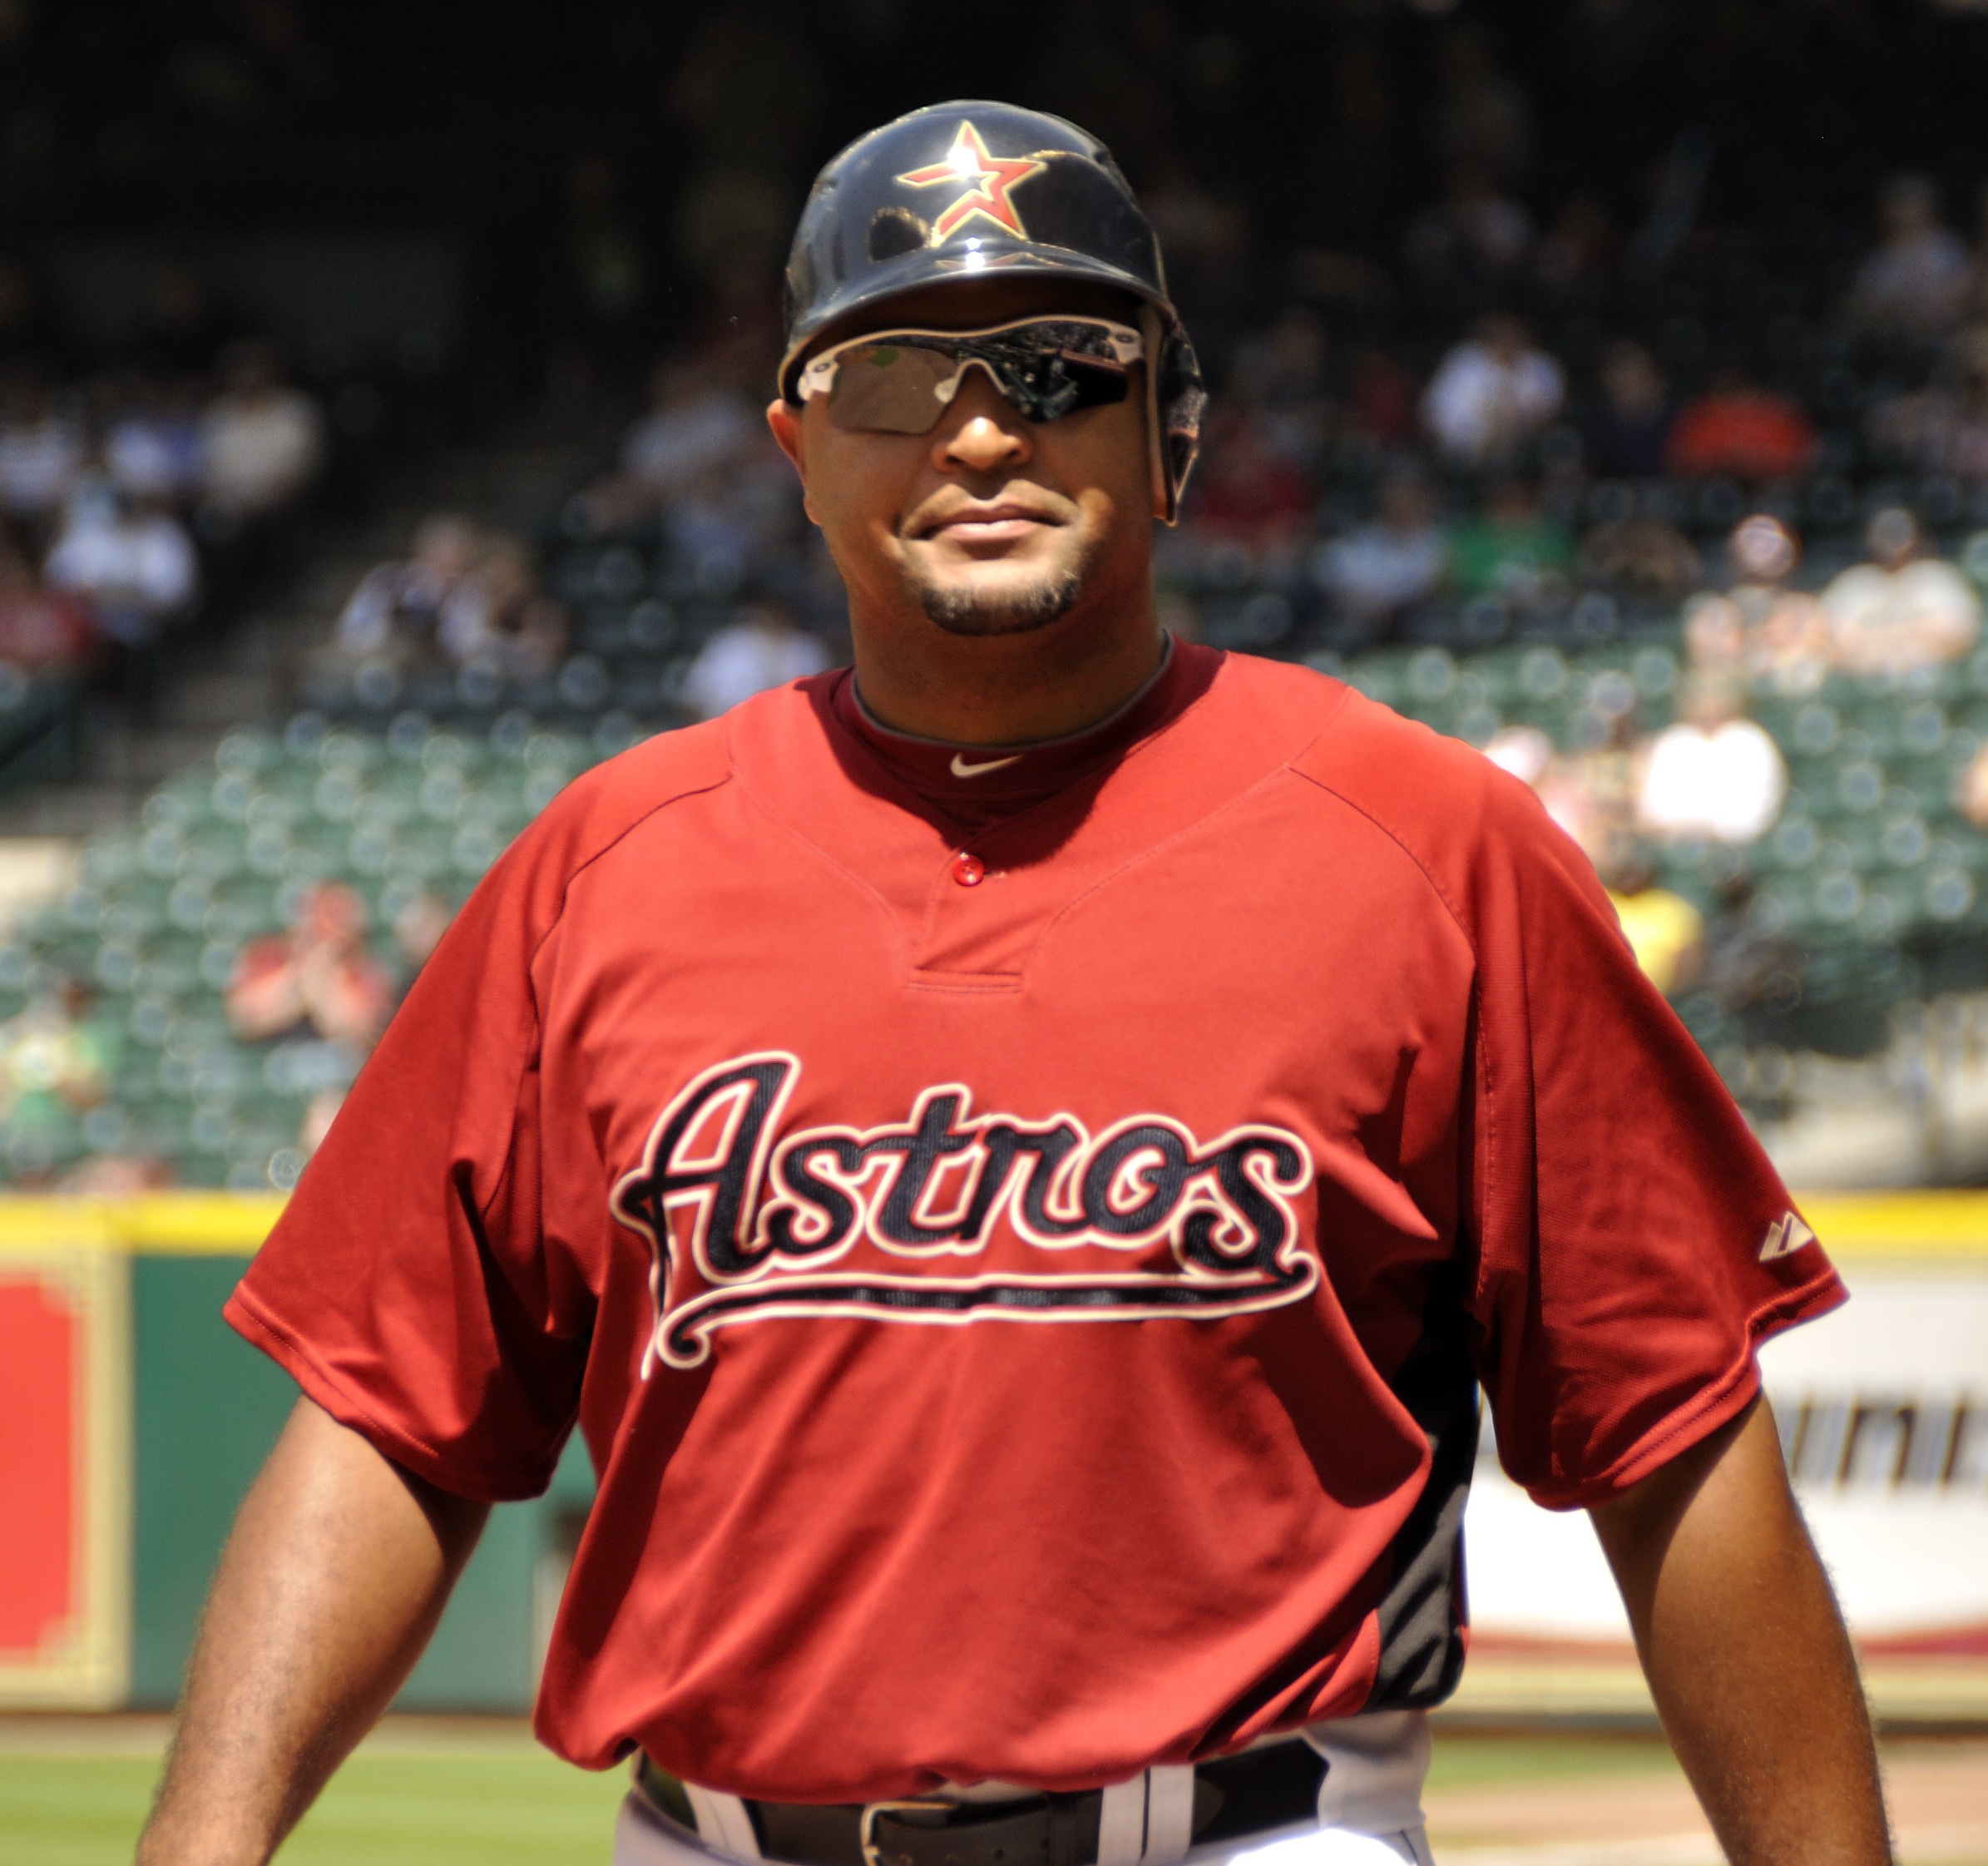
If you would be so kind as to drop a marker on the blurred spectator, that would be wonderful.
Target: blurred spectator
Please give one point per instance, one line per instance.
(1639, 556)
(761, 649)
(419, 922)
(1479, 117)
(261, 441)
(129, 558)
(496, 618)
(1665, 931)
(1522, 751)
(41, 452)
(1975, 299)
(1491, 395)
(1245, 488)
(40, 628)
(1578, 252)
(1740, 429)
(1902, 610)
(1381, 400)
(1511, 549)
(1673, 186)
(1281, 374)
(1788, 641)
(1587, 794)
(699, 430)
(697, 425)
(1746, 966)
(1625, 435)
(153, 448)
(1385, 567)
(116, 1175)
(1942, 429)
(1970, 789)
(1473, 243)
(1714, 773)
(733, 520)
(1715, 637)
(57, 1060)
(182, 333)
(1759, 628)
(317, 976)
(1914, 284)
(398, 610)
(318, 1114)
(1591, 794)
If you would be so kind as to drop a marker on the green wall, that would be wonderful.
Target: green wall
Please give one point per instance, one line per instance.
(208, 1407)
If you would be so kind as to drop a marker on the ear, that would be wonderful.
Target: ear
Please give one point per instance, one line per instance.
(784, 419)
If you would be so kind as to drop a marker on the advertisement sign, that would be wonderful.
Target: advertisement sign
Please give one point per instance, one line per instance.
(65, 1475)
(1882, 1410)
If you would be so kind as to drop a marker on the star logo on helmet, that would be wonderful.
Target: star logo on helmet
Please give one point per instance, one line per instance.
(985, 181)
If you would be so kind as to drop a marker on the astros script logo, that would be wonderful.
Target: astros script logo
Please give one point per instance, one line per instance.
(745, 1221)
(984, 180)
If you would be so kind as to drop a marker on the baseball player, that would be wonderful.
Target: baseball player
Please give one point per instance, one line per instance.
(1017, 1157)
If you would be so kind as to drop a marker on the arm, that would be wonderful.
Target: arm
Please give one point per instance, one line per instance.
(338, 1567)
(1746, 1653)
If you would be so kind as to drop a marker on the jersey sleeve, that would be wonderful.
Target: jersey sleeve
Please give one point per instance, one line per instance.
(1632, 1242)
(407, 1286)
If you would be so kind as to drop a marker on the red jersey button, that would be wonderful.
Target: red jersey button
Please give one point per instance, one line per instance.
(967, 870)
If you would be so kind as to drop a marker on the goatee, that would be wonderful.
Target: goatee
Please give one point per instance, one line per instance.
(970, 611)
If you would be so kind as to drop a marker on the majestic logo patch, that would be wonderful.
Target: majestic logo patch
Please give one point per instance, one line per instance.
(1785, 1236)
(985, 180)
(745, 1221)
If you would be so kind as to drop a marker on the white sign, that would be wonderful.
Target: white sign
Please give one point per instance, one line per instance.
(1883, 1411)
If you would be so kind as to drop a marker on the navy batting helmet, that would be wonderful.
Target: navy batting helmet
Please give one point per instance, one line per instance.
(962, 190)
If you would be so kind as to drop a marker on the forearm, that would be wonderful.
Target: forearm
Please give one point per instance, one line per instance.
(1746, 1653)
(338, 1568)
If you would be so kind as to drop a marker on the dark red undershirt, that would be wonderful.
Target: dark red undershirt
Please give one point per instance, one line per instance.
(1000, 782)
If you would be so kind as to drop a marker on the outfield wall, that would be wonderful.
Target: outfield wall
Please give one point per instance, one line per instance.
(132, 1418)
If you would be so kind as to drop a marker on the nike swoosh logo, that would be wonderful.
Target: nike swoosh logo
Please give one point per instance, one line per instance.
(961, 769)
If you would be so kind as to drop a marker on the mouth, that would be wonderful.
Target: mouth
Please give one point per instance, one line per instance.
(997, 521)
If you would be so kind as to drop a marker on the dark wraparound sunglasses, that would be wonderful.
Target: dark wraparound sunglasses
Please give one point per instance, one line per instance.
(900, 382)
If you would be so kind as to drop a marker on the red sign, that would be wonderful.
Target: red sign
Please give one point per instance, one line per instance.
(41, 1347)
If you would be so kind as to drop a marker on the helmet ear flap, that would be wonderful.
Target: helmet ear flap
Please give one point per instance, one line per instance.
(1175, 400)
(1160, 480)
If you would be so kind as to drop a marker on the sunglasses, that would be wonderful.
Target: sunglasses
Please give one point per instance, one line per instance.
(900, 382)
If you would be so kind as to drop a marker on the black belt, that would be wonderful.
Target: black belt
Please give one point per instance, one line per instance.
(1235, 1797)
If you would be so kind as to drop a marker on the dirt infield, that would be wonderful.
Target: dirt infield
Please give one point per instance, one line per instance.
(1938, 1793)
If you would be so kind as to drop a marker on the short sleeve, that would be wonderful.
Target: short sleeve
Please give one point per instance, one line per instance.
(1633, 1243)
(407, 1286)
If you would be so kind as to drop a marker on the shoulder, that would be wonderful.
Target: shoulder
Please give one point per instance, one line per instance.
(1477, 832)
(602, 805)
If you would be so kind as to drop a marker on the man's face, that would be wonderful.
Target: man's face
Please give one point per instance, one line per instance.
(989, 524)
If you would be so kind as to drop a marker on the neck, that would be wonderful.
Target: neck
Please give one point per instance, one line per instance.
(1006, 689)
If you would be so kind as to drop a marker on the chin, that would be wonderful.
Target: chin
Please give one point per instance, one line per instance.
(1001, 605)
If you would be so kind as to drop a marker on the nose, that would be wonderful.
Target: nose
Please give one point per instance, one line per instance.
(981, 433)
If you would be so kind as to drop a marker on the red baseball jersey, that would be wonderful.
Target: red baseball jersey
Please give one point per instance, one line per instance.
(1021, 1233)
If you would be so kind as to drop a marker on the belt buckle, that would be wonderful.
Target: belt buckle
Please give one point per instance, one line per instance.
(866, 1825)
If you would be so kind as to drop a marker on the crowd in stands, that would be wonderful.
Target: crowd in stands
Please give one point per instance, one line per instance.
(138, 483)
(1696, 554)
